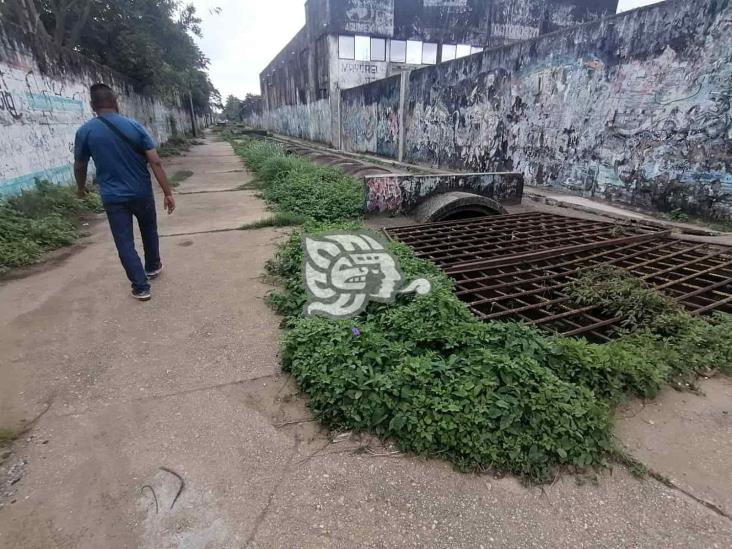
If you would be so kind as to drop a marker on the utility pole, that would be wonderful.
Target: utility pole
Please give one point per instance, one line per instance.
(193, 114)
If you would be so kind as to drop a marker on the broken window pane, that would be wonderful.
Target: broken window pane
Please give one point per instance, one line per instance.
(378, 49)
(398, 51)
(475, 50)
(414, 52)
(363, 48)
(463, 50)
(346, 47)
(449, 52)
(429, 53)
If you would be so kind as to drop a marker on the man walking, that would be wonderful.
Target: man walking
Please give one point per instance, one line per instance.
(121, 149)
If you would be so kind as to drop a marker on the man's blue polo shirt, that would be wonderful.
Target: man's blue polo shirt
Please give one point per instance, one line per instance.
(121, 172)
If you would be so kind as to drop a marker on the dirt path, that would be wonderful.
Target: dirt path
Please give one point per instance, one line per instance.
(133, 397)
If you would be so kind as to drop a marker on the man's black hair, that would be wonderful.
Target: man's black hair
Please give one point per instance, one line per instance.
(102, 97)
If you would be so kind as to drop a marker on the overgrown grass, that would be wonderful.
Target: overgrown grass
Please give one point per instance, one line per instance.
(291, 185)
(276, 220)
(39, 220)
(178, 177)
(175, 146)
(7, 436)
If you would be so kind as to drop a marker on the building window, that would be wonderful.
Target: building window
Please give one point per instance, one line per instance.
(473, 50)
(398, 51)
(346, 47)
(449, 52)
(429, 53)
(462, 50)
(414, 52)
(378, 49)
(363, 48)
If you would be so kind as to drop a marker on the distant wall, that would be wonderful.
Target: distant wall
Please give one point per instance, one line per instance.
(370, 118)
(44, 99)
(634, 108)
(306, 121)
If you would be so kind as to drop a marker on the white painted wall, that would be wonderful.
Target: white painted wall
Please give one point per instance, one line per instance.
(41, 111)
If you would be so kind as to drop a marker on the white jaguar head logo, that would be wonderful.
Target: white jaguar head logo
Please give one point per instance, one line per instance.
(343, 271)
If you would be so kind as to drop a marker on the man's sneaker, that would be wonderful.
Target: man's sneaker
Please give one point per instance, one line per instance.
(142, 295)
(155, 273)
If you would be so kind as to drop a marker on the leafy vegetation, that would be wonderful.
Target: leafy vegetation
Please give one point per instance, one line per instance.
(620, 294)
(427, 374)
(39, 220)
(291, 185)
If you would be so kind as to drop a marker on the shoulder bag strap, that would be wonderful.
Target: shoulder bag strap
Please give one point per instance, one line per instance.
(134, 146)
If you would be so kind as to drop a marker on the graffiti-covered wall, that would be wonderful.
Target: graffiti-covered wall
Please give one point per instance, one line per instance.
(310, 121)
(370, 118)
(634, 108)
(44, 98)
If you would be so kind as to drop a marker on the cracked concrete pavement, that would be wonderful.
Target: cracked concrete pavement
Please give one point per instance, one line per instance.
(190, 382)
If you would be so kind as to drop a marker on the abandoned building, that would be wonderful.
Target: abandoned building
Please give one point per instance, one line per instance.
(347, 43)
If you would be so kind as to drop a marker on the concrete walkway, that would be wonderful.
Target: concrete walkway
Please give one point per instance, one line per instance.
(169, 425)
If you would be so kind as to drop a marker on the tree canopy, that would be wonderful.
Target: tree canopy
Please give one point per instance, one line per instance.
(150, 41)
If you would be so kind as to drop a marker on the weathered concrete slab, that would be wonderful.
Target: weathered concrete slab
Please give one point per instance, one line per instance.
(687, 438)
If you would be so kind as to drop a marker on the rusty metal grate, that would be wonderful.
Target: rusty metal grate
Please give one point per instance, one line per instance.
(479, 239)
(518, 266)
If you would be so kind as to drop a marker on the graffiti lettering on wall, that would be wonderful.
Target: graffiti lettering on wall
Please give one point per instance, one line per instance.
(383, 194)
(360, 68)
(355, 73)
(514, 32)
(445, 3)
(369, 16)
(7, 103)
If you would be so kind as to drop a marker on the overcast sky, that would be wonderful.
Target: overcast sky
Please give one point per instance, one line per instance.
(247, 34)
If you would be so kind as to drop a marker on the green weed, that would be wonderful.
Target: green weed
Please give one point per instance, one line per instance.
(39, 220)
(426, 373)
(295, 186)
(178, 177)
(276, 220)
(7, 436)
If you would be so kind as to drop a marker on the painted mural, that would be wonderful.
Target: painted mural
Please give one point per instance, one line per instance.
(636, 108)
(370, 118)
(40, 112)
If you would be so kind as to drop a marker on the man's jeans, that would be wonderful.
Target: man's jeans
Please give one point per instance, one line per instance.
(120, 221)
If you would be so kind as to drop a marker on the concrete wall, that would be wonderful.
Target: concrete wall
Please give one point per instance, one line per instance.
(634, 108)
(312, 121)
(370, 118)
(403, 194)
(44, 99)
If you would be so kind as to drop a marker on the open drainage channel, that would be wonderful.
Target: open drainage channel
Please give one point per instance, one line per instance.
(519, 266)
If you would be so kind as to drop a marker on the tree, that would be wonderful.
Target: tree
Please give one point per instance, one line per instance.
(150, 41)
(232, 108)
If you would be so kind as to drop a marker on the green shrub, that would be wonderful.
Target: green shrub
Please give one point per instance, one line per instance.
(293, 185)
(39, 220)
